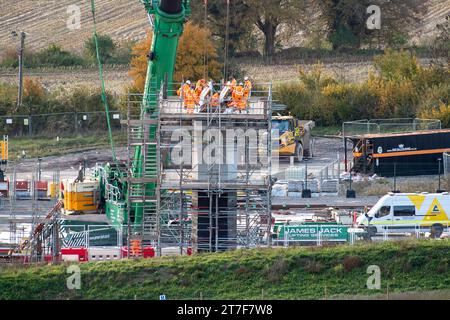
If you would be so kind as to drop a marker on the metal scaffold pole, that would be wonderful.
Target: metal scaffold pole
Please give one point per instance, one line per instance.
(221, 205)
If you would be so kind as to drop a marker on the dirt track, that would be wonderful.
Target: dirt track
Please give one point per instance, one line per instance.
(70, 161)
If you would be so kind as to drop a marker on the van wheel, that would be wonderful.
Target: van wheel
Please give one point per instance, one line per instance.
(436, 231)
(299, 152)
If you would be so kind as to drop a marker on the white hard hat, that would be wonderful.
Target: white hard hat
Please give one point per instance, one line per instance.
(241, 84)
(188, 81)
(246, 78)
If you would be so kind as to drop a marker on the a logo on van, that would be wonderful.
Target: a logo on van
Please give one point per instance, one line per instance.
(436, 212)
(380, 150)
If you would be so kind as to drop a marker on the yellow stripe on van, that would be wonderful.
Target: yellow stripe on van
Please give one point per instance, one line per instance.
(436, 212)
(417, 200)
(421, 223)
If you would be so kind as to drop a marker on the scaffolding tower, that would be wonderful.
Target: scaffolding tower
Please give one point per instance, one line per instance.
(206, 202)
(32, 213)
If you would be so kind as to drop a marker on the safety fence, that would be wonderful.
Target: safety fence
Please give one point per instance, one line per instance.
(446, 164)
(320, 234)
(377, 126)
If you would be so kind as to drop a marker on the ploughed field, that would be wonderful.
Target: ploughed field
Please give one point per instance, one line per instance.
(46, 21)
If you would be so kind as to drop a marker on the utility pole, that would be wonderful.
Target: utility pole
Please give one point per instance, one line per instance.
(39, 168)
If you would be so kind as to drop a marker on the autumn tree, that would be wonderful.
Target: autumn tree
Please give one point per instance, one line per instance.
(268, 16)
(190, 63)
(240, 26)
(106, 48)
(33, 94)
(139, 62)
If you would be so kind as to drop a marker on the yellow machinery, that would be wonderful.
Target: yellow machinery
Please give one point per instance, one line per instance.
(4, 150)
(294, 136)
(80, 197)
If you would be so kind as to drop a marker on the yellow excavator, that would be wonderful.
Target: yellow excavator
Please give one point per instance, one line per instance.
(294, 135)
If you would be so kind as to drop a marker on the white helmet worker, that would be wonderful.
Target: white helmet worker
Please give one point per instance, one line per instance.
(188, 81)
(246, 78)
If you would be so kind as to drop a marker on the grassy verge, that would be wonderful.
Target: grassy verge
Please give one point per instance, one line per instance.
(295, 273)
(327, 131)
(44, 147)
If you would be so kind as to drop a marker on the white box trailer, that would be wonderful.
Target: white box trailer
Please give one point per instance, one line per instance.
(407, 213)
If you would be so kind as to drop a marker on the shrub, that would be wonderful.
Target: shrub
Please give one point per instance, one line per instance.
(351, 262)
(397, 65)
(416, 261)
(52, 56)
(395, 99)
(338, 269)
(106, 47)
(442, 113)
(241, 271)
(313, 266)
(405, 265)
(277, 270)
(123, 53)
(442, 266)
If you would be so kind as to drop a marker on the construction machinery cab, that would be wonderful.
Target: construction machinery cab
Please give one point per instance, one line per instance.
(294, 136)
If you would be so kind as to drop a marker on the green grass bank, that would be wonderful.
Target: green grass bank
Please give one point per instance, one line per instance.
(415, 267)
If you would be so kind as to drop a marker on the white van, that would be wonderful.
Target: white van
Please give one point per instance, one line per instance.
(408, 212)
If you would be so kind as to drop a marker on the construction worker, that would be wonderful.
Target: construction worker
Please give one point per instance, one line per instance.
(247, 87)
(232, 83)
(215, 100)
(201, 84)
(135, 247)
(239, 100)
(182, 92)
(190, 99)
(184, 88)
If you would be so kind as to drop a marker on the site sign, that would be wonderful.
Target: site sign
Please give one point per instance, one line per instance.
(313, 232)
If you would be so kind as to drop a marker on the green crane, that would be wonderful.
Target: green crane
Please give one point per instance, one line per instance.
(167, 18)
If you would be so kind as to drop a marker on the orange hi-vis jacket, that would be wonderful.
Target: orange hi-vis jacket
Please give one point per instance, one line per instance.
(239, 100)
(190, 100)
(232, 84)
(135, 247)
(215, 100)
(247, 88)
(201, 83)
(183, 90)
(182, 93)
(200, 86)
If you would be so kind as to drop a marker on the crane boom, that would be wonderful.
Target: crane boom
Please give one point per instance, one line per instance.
(168, 20)
(118, 189)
